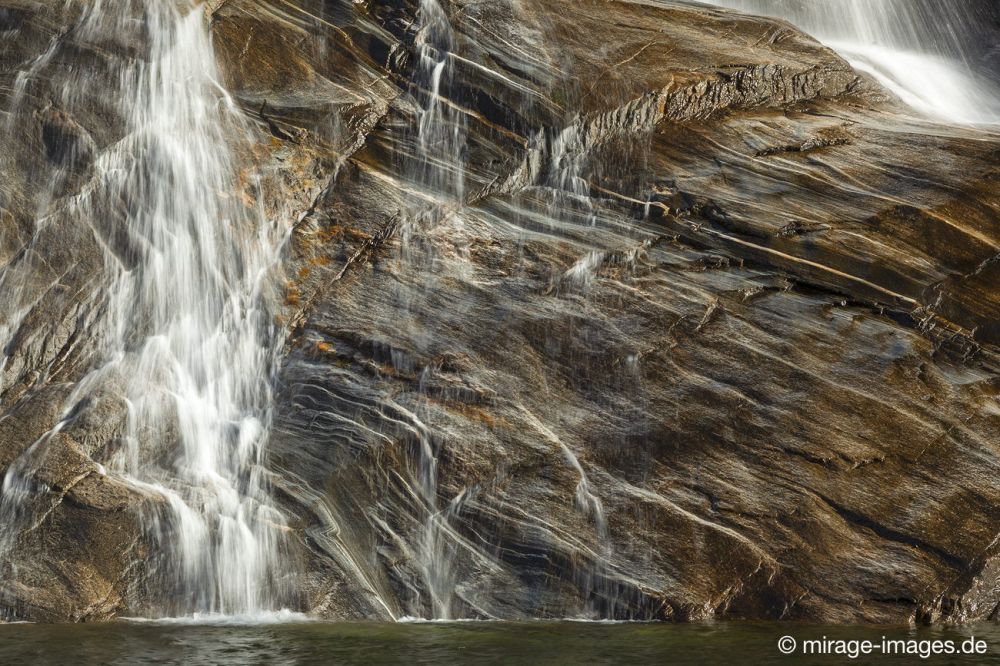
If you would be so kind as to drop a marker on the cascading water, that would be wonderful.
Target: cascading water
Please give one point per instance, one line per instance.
(438, 167)
(918, 49)
(567, 153)
(441, 128)
(210, 346)
(189, 341)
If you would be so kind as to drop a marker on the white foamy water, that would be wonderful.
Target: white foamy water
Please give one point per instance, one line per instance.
(189, 341)
(192, 323)
(917, 49)
(262, 618)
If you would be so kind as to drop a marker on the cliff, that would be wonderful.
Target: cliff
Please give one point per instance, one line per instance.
(679, 318)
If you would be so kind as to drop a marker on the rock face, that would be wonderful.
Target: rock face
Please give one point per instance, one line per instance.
(711, 332)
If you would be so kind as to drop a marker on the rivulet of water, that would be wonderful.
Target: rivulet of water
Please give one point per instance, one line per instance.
(189, 340)
(439, 167)
(918, 49)
(441, 128)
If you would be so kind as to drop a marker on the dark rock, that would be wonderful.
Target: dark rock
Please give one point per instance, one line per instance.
(66, 142)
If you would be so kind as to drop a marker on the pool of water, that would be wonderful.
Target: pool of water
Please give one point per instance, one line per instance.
(299, 642)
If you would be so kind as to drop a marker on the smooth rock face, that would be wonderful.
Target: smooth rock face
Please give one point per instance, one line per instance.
(712, 333)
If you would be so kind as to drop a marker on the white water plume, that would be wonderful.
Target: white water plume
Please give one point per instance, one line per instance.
(193, 318)
(917, 49)
(189, 341)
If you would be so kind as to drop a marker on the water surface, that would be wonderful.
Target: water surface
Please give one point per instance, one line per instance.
(446, 643)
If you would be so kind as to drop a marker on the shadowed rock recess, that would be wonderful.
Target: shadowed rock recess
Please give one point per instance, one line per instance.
(628, 309)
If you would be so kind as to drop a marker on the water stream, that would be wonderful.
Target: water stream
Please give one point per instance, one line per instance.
(198, 321)
(439, 166)
(440, 127)
(188, 341)
(918, 49)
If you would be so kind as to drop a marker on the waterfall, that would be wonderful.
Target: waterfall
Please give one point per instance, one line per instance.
(194, 318)
(440, 128)
(189, 340)
(921, 50)
(437, 165)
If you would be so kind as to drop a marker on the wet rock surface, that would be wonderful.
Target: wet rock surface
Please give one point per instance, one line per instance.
(711, 332)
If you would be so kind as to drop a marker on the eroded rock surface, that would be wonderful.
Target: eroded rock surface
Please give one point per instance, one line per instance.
(712, 332)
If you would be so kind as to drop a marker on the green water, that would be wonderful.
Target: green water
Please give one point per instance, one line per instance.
(456, 643)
